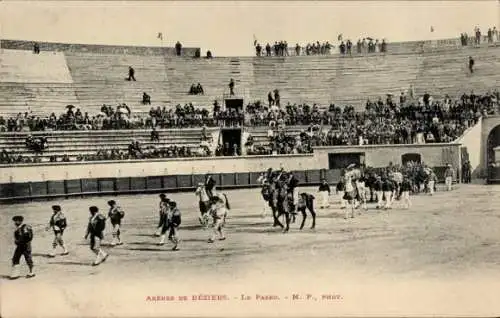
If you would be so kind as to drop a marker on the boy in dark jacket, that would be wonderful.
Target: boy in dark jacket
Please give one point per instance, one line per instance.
(95, 229)
(171, 223)
(23, 236)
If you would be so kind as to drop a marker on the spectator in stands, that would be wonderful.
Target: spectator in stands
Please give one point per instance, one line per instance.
(209, 54)
(146, 99)
(197, 53)
(155, 136)
(268, 49)
(477, 31)
(231, 87)
(258, 49)
(471, 64)
(342, 48)
(178, 48)
(383, 46)
(36, 48)
(277, 97)
(297, 49)
(134, 149)
(196, 90)
(131, 74)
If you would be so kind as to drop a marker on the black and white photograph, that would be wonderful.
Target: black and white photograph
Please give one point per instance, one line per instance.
(249, 158)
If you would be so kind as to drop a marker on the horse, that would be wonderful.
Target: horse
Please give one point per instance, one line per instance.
(306, 201)
(284, 204)
(203, 203)
(270, 195)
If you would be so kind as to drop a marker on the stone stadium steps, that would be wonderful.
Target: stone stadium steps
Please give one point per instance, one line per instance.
(89, 142)
(18, 66)
(449, 74)
(101, 79)
(213, 74)
(260, 138)
(40, 99)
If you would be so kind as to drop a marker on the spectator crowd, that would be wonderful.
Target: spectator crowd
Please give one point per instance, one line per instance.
(401, 120)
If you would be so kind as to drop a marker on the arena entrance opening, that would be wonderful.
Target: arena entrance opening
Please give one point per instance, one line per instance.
(231, 139)
(342, 160)
(492, 142)
(408, 157)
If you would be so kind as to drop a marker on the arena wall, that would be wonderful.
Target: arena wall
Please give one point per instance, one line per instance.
(471, 147)
(95, 48)
(25, 182)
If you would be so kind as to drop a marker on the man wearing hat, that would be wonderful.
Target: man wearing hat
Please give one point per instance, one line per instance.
(95, 229)
(405, 192)
(448, 174)
(324, 191)
(163, 209)
(115, 215)
(23, 236)
(57, 223)
(171, 223)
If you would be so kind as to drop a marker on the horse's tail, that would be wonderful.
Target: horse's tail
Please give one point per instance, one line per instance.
(228, 206)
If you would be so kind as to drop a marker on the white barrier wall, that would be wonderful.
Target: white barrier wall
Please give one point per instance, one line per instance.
(143, 168)
(374, 156)
(471, 144)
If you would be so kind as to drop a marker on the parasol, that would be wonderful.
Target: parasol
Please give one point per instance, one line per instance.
(70, 106)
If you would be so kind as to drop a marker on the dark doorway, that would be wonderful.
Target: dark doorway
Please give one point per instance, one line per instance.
(492, 142)
(231, 141)
(407, 157)
(342, 160)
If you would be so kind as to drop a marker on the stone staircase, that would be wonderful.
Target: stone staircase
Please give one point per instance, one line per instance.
(37, 83)
(74, 143)
(442, 74)
(101, 79)
(89, 80)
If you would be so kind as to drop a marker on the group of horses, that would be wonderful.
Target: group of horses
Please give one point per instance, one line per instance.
(280, 197)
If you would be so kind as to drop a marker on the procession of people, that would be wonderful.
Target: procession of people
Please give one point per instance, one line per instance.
(357, 187)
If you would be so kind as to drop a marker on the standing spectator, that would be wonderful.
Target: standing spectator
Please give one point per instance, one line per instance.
(258, 49)
(131, 74)
(231, 87)
(471, 64)
(270, 99)
(277, 97)
(268, 49)
(178, 48)
(36, 48)
(297, 49)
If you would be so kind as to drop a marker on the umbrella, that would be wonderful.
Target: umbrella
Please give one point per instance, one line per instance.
(369, 39)
(352, 165)
(70, 106)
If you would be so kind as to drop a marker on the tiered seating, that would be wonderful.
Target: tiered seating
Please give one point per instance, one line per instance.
(74, 143)
(449, 73)
(260, 138)
(307, 79)
(213, 74)
(40, 83)
(100, 79)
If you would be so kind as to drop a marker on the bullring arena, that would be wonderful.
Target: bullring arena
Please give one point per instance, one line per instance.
(82, 124)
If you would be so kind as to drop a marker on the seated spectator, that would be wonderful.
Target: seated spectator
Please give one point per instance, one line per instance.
(146, 99)
(209, 54)
(155, 136)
